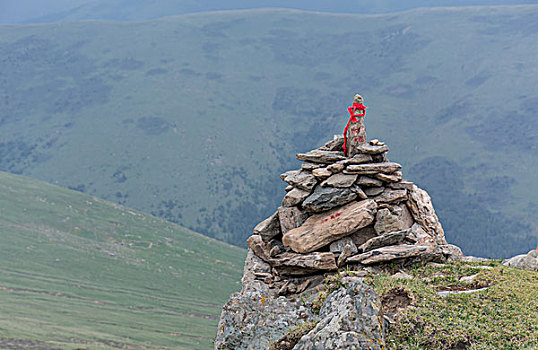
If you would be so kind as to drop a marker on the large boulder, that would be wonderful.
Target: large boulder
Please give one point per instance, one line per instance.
(351, 318)
(421, 207)
(321, 229)
(527, 261)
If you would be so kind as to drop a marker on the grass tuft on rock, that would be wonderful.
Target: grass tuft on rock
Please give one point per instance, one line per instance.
(504, 315)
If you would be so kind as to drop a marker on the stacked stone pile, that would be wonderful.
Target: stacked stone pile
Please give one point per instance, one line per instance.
(354, 211)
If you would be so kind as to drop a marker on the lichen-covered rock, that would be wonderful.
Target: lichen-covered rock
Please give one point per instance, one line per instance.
(255, 317)
(301, 179)
(321, 229)
(421, 207)
(326, 198)
(351, 318)
(397, 219)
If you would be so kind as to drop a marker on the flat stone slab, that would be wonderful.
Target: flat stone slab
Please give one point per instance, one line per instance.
(369, 182)
(373, 168)
(301, 179)
(339, 180)
(294, 197)
(320, 156)
(395, 252)
(391, 196)
(395, 177)
(373, 149)
(321, 229)
(326, 198)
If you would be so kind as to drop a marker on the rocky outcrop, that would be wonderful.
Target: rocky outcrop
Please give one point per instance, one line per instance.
(527, 261)
(354, 212)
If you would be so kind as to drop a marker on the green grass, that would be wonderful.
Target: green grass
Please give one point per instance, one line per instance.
(192, 118)
(80, 272)
(504, 316)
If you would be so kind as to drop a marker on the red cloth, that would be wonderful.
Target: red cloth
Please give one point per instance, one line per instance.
(352, 109)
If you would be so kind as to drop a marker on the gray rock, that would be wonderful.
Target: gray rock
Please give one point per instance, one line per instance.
(290, 218)
(289, 188)
(294, 197)
(339, 180)
(268, 228)
(255, 317)
(320, 230)
(369, 182)
(419, 236)
(393, 220)
(301, 179)
(374, 191)
(451, 252)
(373, 168)
(387, 239)
(342, 258)
(420, 206)
(398, 252)
(351, 318)
(320, 156)
(326, 198)
(357, 159)
(338, 246)
(373, 149)
(311, 166)
(402, 185)
(527, 261)
(391, 196)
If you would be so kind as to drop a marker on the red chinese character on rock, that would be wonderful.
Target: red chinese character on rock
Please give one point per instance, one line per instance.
(355, 132)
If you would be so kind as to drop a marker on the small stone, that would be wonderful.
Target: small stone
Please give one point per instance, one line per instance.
(302, 287)
(402, 275)
(336, 167)
(340, 180)
(268, 228)
(290, 218)
(451, 252)
(369, 182)
(321, 229)
(289, 188)
(391, 196)
(374, 142)
(395, 177)
(374, 191)
(360, 193)
(372, 168)
(387, 239)
(357, 159)
(292, 288)
(301, 179)
(321, 173)
(468, 279)
(363, 235)
(320, 156)
(326, 198)
(334, 145)
(274, 251)
(294, 197)
(345, 254)
(310, 166)
(337, 247)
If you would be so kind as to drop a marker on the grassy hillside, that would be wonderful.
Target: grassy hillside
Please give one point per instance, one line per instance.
(193, 118)
(36, 11)
(79, 272)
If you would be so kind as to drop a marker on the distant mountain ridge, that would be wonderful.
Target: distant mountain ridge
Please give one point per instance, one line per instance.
(188, 117)
(34, 11)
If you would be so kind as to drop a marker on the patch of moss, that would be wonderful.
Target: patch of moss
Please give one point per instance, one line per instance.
(502, 316)
(289, 340)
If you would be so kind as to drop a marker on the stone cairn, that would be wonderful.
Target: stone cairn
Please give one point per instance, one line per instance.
(352, 213)
(348, 211)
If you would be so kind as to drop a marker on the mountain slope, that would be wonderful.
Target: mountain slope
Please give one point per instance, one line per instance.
(190, 117)
(79, 272)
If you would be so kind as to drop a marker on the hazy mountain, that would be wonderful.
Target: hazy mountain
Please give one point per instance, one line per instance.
(36, 11)
(191, 117)
(79, 272)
